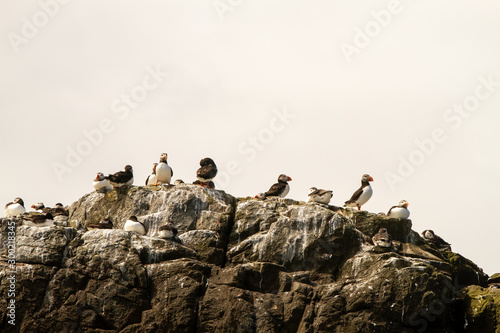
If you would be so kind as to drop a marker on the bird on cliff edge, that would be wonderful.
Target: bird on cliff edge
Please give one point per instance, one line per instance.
(103, 224)
(279, 189)
(14, 208)
(38, 220)
(320, 196)
(101, 184)
(206, 172)
(122, 178)
(164, 172)
(152, 179)
(382, 238)
(363, 194)
(440, 243)
(168, 231)
(133, 224)
(400, 211)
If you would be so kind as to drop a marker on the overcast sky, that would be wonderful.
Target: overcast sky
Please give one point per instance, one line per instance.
(323, 91)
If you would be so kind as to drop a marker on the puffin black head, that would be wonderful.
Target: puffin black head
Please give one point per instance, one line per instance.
(133, 218)
(207, 161)
(403, 203)
(58, 205)
(366, 178)
(39, 205)
(284, 178)
(128, 168)
(19, 201)
(163, 157)
(428, 234)
(100, 176)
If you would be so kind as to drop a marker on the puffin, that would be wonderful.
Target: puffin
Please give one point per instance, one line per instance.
(440, 243)
(280, 189)
(363, 194)
(210, 184)
(164, 172)
(320, 196)
(14, 208)
(400, 211)
(133, 224)
(122, 178)
(101, 184)
(59, 209)
(382, 238)
(103, 224)
(38, 220)
(178, 182)
(206, 172)
(168, 231)
(40, 208)
(152, 180)
(261, 196)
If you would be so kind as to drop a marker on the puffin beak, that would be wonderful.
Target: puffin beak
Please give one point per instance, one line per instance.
(256, 196)
(407, 204)
(33, 206)
(371, 179)
(289, 179)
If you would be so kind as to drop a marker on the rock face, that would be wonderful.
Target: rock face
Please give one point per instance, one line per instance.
(238, 265)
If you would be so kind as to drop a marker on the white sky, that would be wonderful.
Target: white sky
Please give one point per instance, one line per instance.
(230, 69)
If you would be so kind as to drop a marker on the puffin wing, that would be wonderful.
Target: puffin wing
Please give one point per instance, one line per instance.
(207, 172)
(275, 189)
(355, 196)
(147, 179)
(119, 177)
(317, 192)
(390, 210)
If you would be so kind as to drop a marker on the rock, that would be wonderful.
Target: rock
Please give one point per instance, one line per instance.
(495, 278)
(482, 309)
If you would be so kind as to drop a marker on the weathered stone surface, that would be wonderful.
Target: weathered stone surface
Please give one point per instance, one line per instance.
(238, 266)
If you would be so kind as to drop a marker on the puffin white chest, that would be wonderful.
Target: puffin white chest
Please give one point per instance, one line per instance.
(365, 195)
(14, 209)
(135, 226)
(163, 173)
(400, 212)
(152, 179)
(102, 185)
(166, 234)
(285, 191)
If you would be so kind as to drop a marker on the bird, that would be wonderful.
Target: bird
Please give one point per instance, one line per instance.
(210, 184)
(382, 238)
(40, 208)
(14, 208)
(164, 172)
(103, 224)
(440, 243)
(321, 196)
(38, 220)
(178, 182)
(168, 230)
(280, 189)
(101, 184)
(133, 224)
(363, 194)
(400, 211)
(59, 209)
(206, 172)
(122, 178)
(261, 196)
(152, 180)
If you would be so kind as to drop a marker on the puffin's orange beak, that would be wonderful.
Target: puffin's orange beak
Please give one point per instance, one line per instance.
(371, 179)
(33, 206)
(289, 179)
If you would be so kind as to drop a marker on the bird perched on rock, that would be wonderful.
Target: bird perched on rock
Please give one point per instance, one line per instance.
(279, 189)
(206, 172)
(168, 231)
(382, 238)
(164, 172)
(59, 209)
(261, 196)
(178, 182)
(101, 184)
(321, 196)
(122, 178)
(38, 220)
(440, 243)
(152, 180)
(133, 224)
(103, 224)
(362, 195)
(14, 208)
(40, 208)
(400, 211)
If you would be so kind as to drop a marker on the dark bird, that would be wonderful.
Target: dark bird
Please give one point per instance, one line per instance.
(207, 172)
(14, 208)
(168, 231)
(103, 224)
(152, 179)
(362, 195)
(400, 211)
(321, 196)
(38, 220)
(40, 207)
(164, 172)
(382, 238)
(122, 178)
(279, 189)
(440, 243)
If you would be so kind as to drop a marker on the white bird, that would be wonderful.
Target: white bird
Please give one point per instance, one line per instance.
(401, 211)
(14, 208)
(101, 184)
(152, 179)
(321, 196)
(133, 224)
(164, 172)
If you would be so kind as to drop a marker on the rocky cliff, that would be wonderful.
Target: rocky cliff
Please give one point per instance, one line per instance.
(239, 265)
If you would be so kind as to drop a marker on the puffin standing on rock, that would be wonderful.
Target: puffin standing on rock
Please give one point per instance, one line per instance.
(14, 208)
(101, 184)
(164, 172)
(363, 194)
(382, 238)
(206, 172)
(320, 196)
(133, 224)
(122, 178)
(401, 211)
(279, 189)
(152, 179)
